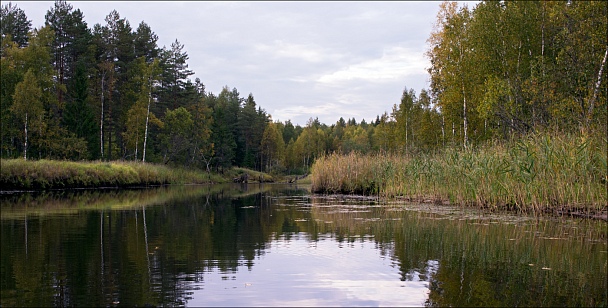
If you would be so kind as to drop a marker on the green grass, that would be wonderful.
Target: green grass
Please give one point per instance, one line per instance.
(254, 176)
(538, 173)
(51, 174)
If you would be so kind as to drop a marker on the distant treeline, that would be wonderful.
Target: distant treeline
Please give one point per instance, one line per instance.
(498, 71)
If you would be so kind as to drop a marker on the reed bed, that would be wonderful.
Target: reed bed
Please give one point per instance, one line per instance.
(538, 173)
(51, 174)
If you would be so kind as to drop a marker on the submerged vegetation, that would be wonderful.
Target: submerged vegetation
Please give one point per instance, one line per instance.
(538, 173)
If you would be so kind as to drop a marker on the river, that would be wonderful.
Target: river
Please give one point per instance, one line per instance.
(280, 245)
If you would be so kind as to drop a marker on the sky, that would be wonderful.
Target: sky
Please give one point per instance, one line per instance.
(299, 59)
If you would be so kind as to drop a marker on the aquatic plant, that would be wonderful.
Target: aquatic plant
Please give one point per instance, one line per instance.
(537, 173)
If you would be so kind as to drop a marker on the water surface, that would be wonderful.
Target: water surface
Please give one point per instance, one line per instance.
(278, 245)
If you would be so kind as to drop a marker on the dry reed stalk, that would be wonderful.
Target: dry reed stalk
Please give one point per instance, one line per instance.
(536, 173)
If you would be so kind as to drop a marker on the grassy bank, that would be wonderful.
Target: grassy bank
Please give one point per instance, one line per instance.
(47, 174)
(542, 172)
(238, 174)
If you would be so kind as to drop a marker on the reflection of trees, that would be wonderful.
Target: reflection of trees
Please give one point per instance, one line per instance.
(141, 254)
(475, 262)
(135, 255)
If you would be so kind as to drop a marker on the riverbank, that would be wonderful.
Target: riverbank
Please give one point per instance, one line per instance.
(18, 174)
(538, 173)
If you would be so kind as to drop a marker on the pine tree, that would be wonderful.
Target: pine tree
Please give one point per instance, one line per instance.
(78, 116)
(14, 23)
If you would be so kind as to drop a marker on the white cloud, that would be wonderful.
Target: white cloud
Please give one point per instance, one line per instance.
(307, 52)
(306, 112)
(356, 274)
(395, 63)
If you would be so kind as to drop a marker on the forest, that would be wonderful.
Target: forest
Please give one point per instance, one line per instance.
(498, 71)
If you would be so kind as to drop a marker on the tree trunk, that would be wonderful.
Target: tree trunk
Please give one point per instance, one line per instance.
(25, 144)
(146, 133)
(110, 127)
(101, 121)
(406, 127)
(443, 129)
(464, 110)
(136, 144)
(597, 87)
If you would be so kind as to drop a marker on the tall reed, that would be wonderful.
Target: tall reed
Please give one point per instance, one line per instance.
(539, 172)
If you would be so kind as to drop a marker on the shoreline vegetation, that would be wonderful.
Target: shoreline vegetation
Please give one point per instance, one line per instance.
(540, 173)
(563, 174)
(45, 174)
(18, 174)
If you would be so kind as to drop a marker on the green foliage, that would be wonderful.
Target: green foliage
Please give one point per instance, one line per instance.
(78, 116)
(177, 135)
(14, 24)
(507, 68)
(27, 106)
(272, 147)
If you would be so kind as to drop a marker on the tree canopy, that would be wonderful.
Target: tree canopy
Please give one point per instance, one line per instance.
(498, 70)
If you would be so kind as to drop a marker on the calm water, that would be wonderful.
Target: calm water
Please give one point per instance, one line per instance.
(276, 245)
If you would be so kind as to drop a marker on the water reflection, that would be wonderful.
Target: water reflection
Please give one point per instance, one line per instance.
(270, 245)
(298, 272)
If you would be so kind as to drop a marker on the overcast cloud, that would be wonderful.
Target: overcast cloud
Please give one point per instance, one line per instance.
(298, 59)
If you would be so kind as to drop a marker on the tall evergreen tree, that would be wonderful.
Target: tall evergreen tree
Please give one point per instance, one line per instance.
(115, 40)
(174, 77)
(72, 38)
(289, 132)
(14, 23)
(78, 116)
(145, 43)
(222, 137)
(251, 125)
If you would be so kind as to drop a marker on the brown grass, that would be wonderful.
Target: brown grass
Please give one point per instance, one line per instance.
(541, 172)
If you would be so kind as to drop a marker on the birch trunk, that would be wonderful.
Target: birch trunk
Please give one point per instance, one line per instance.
(25, 144)
(146, 132)
(597, 87)
(101, 120)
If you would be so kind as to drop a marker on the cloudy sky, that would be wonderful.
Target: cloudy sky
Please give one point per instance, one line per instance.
(298, 59)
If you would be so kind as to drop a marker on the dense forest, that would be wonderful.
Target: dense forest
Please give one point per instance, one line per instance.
(498, 71)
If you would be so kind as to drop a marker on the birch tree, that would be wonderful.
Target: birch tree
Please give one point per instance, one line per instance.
(452, 77)
(28, 107)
